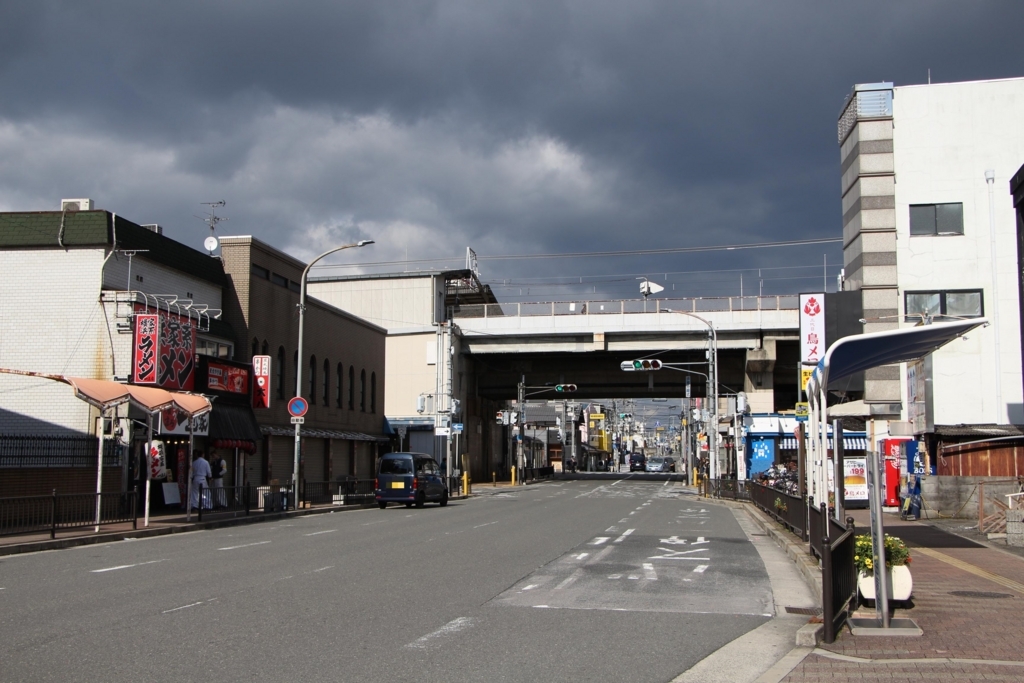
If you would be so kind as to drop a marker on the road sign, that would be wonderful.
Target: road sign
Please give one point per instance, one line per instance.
(297, 407)
(802, 411)
(442, 431)
(457, 428)
(298, 420)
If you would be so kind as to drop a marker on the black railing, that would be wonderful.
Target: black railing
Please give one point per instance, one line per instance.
(232, 499)
(838, 578)
(345, 491)
(34, 514)
(817, 519)
(19, 451)
(788, 510)
(729, 489)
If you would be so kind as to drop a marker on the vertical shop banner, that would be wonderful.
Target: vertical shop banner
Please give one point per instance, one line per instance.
(855, 480)
(177, 352)
(146, 348)
(762, 455)
(156, 460)
(261, 382)
(812, 327)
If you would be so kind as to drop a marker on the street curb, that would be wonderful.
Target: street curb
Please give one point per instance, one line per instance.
(186, 527)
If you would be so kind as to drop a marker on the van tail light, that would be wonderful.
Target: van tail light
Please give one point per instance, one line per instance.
(376, 485)
(415, 483)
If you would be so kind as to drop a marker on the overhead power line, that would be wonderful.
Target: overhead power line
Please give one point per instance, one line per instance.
(592, 254)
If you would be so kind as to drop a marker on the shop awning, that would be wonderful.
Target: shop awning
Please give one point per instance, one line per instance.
(234, 422)
(105, 394)
(850, 443)
(268, 430)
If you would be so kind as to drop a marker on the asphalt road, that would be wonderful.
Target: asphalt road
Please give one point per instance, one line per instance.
(611, 580)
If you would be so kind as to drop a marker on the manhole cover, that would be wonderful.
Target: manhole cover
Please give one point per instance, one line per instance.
(979, 594)
(809, 611)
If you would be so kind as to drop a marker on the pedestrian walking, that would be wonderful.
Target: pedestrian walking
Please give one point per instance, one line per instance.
(217, 468)
(200, 480)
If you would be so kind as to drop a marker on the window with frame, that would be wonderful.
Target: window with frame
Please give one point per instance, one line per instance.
(937, 219)
(338, 396)
(327, 384)
(260, 272)
(280, 373)
(362, 391)
(312, 380)
(373, 392)
(351, 387)
(954, 303)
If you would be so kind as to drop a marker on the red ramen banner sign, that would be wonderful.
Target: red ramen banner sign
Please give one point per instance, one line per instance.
(147, 348)
(165, 350)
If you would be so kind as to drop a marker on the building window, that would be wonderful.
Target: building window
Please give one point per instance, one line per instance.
(337, 389)
(209, 347)
(362, 391)
(260, 272)
(266, 348)
(351, 387)
(280, 373)
(952, 303)
(937, 219)
(312, 380)
(255, 347)
(373, 392)
(294, 286)
(327, 384)
(279, 280)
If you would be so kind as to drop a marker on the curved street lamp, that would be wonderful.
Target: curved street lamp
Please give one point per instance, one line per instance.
(298, 369)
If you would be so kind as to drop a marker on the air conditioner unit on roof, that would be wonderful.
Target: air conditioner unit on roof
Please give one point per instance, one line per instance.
(76, 205)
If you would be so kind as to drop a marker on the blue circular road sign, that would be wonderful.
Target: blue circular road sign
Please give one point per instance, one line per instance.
(297, 407)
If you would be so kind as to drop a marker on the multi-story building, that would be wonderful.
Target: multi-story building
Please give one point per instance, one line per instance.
(343, 369)
(929, 233)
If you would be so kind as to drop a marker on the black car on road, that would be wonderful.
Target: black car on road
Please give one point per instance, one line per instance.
(637, 462)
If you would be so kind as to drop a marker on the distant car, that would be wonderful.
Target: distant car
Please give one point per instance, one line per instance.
(637, 462)
(410, 478)
(660, 465)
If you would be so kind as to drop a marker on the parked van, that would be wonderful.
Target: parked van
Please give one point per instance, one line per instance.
(410, 478)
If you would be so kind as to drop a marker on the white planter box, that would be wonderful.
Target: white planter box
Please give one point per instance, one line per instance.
(901, 584)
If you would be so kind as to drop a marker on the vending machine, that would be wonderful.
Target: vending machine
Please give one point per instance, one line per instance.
(893, 454)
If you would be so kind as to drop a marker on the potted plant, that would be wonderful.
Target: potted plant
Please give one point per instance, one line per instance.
(897, 557)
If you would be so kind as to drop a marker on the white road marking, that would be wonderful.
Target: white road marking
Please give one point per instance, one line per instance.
(124, 566)
(599, 540)
(453, 626)
(633, 577)
(649, 572)
(611, 530)
(621, 538)
(317, 533)
(369, 523)
(530, 587)
(322, 569)
(247, 545)
(666, 483)
(542, 606)
(572, 577)
(699, 569)
(487, 524)
(168, 611)
(678, 555)
(624, 520)
(614, 577)
(633, 513)
(581, 556)
(673, 540)
(700, 541)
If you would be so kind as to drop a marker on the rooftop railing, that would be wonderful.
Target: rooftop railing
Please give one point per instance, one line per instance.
(630, 306)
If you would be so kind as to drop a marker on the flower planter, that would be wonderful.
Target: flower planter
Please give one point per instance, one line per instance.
(901, 584)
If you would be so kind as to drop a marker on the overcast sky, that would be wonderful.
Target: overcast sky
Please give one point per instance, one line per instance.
(509, 126)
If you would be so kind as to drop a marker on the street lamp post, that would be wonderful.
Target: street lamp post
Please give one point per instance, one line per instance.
(300, 363)
(713, 372)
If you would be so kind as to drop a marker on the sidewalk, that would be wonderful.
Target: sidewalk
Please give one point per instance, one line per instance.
(968, 598)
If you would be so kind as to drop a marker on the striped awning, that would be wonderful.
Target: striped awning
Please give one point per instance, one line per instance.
(850, 443)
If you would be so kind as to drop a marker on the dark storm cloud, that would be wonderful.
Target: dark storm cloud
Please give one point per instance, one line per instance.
(508, 126)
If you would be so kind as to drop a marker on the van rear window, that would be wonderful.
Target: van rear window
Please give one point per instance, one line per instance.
(396, 466)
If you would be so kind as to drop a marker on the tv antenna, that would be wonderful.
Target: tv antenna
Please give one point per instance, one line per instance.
(212, 220)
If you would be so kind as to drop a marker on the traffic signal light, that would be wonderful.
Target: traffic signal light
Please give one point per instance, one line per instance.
(565, 388)
(500, 417)
(641, 365)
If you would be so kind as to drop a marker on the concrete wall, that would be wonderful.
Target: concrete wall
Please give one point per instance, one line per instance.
(946, 137)
(394, 303)
(411, 371)
(958, 496)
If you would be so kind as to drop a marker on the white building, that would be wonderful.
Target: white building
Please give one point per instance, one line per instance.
(929, 231)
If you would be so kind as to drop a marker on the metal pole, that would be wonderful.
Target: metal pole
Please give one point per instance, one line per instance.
(298, 365)
(188, 460)
(149, 469)
(990, 178)
(99, 469)
(878, 540)
(838, 455)
(521, 399)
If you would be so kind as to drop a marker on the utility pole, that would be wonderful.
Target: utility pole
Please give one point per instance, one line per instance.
(520, 458)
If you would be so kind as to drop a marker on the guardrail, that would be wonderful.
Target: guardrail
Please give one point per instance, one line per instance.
(629, 306)
(730, 489)
(34, 514)
(348, 491)
(786, 509)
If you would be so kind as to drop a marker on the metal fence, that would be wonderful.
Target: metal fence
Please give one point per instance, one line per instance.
(838, 577)
(35, 514)
(788, 510)
(347, 491)
(730, 489)
(18, 451)
(628, 306)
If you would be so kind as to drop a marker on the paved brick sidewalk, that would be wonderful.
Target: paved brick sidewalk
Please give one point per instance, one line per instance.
(985, 627)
